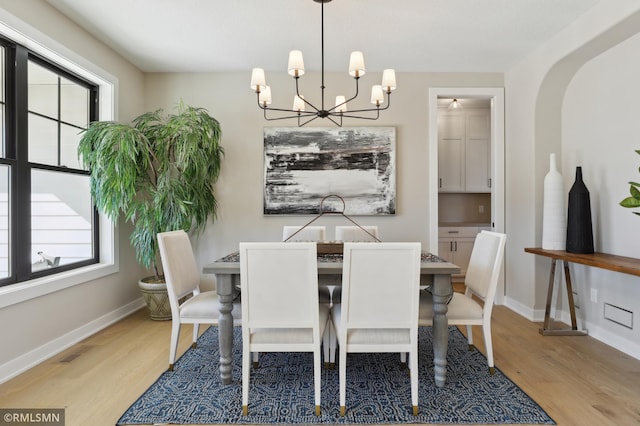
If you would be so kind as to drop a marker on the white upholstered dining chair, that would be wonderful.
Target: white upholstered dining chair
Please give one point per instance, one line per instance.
(280, 307)
(352, 234)
(294, 233)
(309, 233)
(481, 280)
(356, 233)
(379, 307)
(182, 276)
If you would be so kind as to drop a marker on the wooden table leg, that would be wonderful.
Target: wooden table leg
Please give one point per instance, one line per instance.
(441, 291)
(547, 310)
(547, 330)
(224, 288)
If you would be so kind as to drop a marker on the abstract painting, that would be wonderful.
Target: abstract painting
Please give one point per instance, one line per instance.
(304, 165)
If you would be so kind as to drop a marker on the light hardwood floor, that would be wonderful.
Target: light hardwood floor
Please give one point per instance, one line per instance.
(577, 380)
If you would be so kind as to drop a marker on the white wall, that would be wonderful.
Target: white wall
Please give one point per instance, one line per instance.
(37, 328)
(539, 91)
(228, 98)
(600, 133)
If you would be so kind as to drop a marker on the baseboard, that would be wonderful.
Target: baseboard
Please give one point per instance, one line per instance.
(32, 358)
(623, 345)
(535, 315)
(607, 337)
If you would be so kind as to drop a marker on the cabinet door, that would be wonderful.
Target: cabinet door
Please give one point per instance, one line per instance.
(478, 169)
(451, 147)
(451, 165)
(478, 152)
(445, 249)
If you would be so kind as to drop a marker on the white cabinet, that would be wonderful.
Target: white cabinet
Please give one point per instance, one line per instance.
(464, 151)
(455, 244)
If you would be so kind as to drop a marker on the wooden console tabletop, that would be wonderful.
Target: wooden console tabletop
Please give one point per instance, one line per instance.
(626, 265)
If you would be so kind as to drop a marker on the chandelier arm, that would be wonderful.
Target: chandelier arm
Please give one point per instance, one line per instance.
(287, 110)
(303, 99)
(375, 109)
(363, 117)
(334, 121)
(294, 114)
(306, 122)
(348, 100)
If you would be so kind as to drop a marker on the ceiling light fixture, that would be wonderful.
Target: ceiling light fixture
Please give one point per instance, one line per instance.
(304, 110)
(455, 104)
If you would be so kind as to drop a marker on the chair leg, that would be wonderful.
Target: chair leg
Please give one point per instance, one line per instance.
(488, 344)
(413, 372)
(317, 378)
(470, 336)
(175, 333)
(403, 360)
(256, 356)
(326, 338)
(342, 367)
(246, 362)
(196, 329)
(333, 344)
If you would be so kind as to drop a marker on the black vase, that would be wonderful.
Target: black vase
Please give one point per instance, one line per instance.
(579, 228)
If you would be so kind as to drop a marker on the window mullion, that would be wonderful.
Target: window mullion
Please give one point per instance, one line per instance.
(21, 224)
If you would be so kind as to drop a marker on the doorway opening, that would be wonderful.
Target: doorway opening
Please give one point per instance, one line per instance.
(494, 97)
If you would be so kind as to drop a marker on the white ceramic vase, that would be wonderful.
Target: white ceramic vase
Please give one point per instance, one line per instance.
(554, 223)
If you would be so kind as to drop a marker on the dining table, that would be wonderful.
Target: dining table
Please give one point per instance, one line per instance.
(435, 273)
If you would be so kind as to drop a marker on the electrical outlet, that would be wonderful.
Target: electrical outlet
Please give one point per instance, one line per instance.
(480, 209)
(594, 295)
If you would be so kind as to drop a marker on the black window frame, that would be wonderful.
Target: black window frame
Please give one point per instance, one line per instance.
(16, 157)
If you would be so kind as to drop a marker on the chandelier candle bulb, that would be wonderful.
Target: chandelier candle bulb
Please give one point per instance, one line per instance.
(341, 106)
(265, 96)
(298, 103)
(389, 80)
(257, 79)
(377, 98)
(296, 63)
(356, 64)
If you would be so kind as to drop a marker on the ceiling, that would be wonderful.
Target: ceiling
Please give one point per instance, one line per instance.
(407, 35)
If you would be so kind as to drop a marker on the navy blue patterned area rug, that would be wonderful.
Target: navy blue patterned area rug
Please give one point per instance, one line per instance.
(378, 390)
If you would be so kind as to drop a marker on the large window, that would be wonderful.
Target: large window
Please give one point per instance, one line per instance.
(47, 220)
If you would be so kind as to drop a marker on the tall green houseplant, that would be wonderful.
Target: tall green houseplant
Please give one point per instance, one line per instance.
(158, 173)
(634, 200)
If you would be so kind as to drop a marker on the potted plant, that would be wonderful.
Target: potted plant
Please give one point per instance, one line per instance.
(634, 200)
(158, 173)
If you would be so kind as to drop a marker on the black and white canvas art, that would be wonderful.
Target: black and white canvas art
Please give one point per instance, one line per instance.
(304, 165)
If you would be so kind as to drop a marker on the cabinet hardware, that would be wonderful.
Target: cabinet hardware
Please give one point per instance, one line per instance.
(452, 232)
(489, 182)
(440, 183)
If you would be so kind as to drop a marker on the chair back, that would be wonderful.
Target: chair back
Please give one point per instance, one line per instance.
(179, 265)
(356, 233)
(485, 265)
(309, 233)
(279, 285)
(380, 285)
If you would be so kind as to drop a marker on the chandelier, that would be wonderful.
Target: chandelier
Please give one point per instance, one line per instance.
(304, 110)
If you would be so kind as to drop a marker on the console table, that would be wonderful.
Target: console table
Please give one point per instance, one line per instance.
(626, 265)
